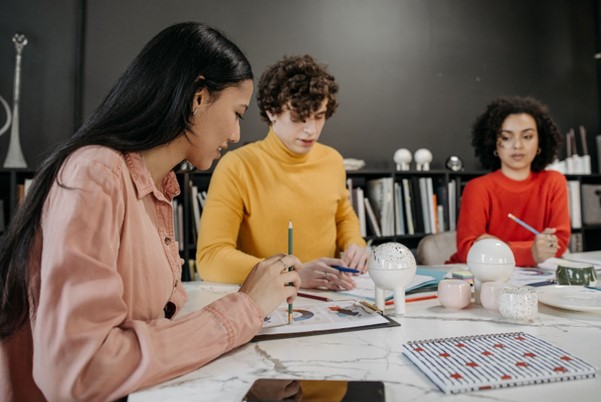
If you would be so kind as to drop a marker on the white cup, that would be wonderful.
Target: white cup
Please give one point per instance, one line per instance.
(518, 303)
(454, 293)
(489, 294)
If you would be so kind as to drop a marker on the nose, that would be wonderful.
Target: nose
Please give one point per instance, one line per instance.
(235, 137)
(310, 126)
(517, 142)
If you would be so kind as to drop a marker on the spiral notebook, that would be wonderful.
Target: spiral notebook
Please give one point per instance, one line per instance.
(475, 363)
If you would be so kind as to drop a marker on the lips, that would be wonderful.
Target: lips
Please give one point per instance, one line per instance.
(307, 142)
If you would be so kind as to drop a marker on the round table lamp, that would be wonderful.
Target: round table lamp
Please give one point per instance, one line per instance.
(402, 157)
(489, 260)
(392, 267)
(422, 158)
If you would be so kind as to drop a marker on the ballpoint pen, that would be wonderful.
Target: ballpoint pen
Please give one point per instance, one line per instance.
(346, 269)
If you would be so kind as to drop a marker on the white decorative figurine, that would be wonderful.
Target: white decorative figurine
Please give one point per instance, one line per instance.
(392, 267)
(422, 157)
(402, 158)
(489, 260)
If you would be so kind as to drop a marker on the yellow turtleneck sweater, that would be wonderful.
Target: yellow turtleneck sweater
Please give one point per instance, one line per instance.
(255, 190)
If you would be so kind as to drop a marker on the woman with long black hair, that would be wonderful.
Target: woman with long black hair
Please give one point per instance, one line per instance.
(89, 269)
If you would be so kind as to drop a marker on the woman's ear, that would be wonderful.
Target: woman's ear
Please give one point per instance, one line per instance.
(198, 98)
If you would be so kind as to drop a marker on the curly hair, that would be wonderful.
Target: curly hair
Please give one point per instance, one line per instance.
(487, 128)
(298, 82)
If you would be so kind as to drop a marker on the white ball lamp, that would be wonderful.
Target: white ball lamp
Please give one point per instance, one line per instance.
(422, 157)
(392, 267)
(402, 158)
(489, 260)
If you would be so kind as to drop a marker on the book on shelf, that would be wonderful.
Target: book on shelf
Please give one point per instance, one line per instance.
(416, 205)
(399, 210)
(481, 362)
(574, 203)
(380, 193)
(576, 245)
(372, 219)
(440, 218)
(408, 207)
(431, 198)
(425, 204)
(452, 196)
(441, 191)
(359, 206)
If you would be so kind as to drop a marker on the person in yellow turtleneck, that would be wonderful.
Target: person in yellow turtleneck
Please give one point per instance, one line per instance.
(257, 189)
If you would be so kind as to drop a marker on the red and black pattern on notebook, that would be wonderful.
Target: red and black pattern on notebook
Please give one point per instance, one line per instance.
(494, 361)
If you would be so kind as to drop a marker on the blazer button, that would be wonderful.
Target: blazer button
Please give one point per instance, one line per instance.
(167, 241)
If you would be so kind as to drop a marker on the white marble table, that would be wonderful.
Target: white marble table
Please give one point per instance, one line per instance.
(376, 355)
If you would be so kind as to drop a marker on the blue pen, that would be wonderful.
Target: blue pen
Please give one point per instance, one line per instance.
(524, 224)
(345, 269)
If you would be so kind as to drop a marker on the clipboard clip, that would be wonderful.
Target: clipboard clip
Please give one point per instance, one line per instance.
(368, 307)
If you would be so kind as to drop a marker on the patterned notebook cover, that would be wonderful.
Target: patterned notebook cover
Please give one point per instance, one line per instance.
(494, 361)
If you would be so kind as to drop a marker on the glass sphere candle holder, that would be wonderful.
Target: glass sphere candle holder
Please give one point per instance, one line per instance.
(392, 266)
(489, 260)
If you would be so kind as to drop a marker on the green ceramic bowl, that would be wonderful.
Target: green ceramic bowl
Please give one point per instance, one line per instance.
(575, 273)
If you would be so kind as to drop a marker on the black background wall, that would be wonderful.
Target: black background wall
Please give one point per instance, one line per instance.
(413, 73)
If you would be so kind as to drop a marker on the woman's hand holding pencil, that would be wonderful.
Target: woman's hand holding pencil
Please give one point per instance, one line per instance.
(270, 282)
(545, 243)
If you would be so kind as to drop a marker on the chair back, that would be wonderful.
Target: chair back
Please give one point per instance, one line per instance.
(435, 249)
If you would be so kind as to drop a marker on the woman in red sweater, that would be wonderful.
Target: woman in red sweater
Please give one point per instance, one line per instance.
(516, 138)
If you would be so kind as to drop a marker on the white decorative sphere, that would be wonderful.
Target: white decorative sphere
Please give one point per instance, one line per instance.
(391, 266)
(423, 156)
(391, 256)
(490, 260)
(402, 155)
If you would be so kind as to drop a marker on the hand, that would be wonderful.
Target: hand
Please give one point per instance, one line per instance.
(356, 257)
(545, 245)
(269, 283)
(320, 274)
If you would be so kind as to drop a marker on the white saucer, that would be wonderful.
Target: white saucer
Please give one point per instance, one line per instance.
(576, 298)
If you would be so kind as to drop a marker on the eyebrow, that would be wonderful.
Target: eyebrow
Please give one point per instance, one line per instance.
(524, 130)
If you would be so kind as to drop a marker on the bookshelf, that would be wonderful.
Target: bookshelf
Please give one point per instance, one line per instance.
(12, 185)
(588, 235)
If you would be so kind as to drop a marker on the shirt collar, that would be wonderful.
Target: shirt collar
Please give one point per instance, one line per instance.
(143, 180)
(276, 147)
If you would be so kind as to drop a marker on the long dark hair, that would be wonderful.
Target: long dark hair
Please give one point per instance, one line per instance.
(150, 105)
(487, 127)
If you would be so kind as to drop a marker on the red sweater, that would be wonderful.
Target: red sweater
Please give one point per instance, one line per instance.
(541, 201)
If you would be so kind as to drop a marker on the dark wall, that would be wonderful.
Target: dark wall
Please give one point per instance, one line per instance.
(47, 72)
(412, 73)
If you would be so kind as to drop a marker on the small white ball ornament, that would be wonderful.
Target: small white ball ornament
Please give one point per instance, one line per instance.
(423, 157)
(402, 158)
